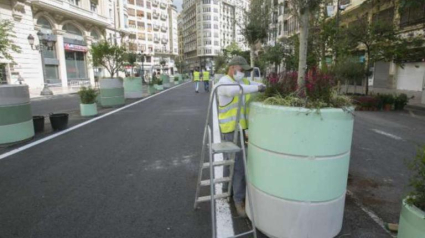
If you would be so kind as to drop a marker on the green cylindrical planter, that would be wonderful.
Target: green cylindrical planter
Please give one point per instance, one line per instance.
(298, 161)
(15, 114)
(88, 110)
(152, 89)
(165, 81)
(412, 222)
(111, 92)
(159, 87)
(133, 87)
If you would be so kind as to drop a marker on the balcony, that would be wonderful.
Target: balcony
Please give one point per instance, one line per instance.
(156, 39)
(164, 28)
(156, 27)
(155, 3)
(155, 15)
(164, 41)
(65, 8)
(163, 5)
(163, 17)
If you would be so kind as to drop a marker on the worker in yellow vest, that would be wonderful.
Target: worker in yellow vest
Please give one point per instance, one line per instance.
(228, 104)
(196, 79)
(206, 79)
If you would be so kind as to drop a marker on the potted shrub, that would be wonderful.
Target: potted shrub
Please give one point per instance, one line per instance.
(412, 217)
(400, 101)
(88, 105)
(388, 101)
(59, 121)
(157, 83)
(298, 156)
(111, 57)
(132, 85)
(151, 86)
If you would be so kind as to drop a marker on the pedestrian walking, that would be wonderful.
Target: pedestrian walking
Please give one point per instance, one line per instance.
(206, 79)
(196, 79)
(228, 104)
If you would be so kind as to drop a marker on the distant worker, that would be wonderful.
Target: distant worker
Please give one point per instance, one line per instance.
(228, 100)
(196, 79)
(206, 79)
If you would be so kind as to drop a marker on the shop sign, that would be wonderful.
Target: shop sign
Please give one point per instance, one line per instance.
(72, 47)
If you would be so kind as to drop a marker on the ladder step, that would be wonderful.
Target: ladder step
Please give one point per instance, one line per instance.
(208, 198)
(218, 163)
(225, 147)
(218, 180)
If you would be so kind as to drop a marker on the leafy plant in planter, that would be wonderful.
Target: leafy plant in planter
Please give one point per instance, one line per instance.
(400, 101)
(412, 217)
(387, 101)
(112, 58)
(88, 98)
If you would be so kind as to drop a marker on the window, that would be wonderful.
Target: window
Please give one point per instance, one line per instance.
(149, 15)
(148, 4)
(131, 12)
(413, 15)
(149, 27)
(139, 3)
(93, 6)
(75, 65)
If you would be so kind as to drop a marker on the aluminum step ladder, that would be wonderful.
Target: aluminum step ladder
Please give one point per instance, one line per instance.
(225, 147)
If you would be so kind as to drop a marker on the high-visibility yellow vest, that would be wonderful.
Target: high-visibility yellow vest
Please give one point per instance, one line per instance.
(196, 75)
(206, 76)
(227, 114)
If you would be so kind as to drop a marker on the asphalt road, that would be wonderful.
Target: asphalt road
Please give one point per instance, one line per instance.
(133, 173)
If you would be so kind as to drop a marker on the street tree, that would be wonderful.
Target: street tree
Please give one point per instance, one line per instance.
(111, 57)
(303, 9)
(6, 40)
(131, 59)
(381, 42)
(220, 63)
(256, 25)
(274, 55)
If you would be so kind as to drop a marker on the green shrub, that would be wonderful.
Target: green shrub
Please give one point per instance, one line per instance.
(88, 95)
(417, 181)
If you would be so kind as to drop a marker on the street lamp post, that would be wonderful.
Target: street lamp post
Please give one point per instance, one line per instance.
(142, 59)
(44, 44)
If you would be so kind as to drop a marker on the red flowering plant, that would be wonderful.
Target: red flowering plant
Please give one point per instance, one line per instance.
(319, 91)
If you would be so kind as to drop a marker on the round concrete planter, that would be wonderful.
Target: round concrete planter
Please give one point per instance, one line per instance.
(15, 114)
(111, 92)
(133, 87)
(159, 87)
(152, 89)
(88, 110)
(298, 168)
(412, 222)
(165, 81)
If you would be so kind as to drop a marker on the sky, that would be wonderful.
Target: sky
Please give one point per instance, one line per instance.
(178, 4)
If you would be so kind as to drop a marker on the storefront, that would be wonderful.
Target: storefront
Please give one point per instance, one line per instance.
(51, 62)
(75, 55)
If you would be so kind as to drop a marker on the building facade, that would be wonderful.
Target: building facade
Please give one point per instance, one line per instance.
(73, 26)
(153, 31)
(208, 26)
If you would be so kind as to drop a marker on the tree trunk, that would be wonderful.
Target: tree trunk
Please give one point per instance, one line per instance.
(252, 58)
(367, 74)
(302, 63)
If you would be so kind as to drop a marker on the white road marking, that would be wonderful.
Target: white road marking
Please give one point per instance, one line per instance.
(369, 212)
(387, 134)
(223, 215)
(25, 147)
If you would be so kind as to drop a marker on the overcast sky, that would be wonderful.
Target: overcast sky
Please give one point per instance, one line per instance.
(178, 4)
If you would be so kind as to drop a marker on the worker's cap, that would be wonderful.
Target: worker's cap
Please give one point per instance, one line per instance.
(239, 60)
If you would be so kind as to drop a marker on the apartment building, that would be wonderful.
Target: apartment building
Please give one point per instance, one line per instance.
(208, 27)
(153, 31)
(71, 26)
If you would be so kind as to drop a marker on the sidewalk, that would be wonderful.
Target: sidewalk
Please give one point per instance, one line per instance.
(35, 92)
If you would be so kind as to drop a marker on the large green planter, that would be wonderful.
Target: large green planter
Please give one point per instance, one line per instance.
(133, 87)
(412, 222)
(111, 92)
(15, 114)
(298, 168)
(158, 87)
(151, 89)
(88, 110)
(165, 81)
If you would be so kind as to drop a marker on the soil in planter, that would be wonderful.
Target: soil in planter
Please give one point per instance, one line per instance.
(38, 123)
(59, 121)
